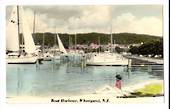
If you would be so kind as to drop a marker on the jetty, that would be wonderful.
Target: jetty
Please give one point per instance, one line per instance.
(136, 60)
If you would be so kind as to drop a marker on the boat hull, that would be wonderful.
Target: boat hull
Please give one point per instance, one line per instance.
(47, 58)
(106, 59)
(22, 60)
(56, 57)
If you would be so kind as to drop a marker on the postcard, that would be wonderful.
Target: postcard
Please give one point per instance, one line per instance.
(85, 54)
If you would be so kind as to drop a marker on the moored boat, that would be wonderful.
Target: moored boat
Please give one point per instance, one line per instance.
(107, 59)
(20, 50)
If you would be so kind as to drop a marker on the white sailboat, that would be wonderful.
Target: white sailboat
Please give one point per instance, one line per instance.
(17, 53)
(45, 56)
(108, 58)
(57, 51)
(61, 50)
(61, 46)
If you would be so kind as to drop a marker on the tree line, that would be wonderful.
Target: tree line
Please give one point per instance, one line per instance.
(149, 48)
(88, 38)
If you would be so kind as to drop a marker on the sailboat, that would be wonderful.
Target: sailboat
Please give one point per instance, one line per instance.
(73, 51)
(61, 49)
(19, 51)
(107, 58)
(57, 51)
(61, 46)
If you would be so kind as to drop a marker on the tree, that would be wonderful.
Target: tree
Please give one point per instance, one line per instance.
(149, 48)
(118, 49)
(134, 50)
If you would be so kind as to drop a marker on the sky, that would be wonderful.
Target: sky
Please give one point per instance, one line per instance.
(140, 19)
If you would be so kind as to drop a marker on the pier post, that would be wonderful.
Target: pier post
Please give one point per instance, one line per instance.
(129, 63)
(82, 64)
(149, 68)
(84, 60)
(37, 63)
(85, 63)
(53, 65)
(66, 59)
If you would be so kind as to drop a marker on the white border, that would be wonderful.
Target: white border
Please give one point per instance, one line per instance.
(3, 3)
(2, 56)
(79, 2)
(166, 50)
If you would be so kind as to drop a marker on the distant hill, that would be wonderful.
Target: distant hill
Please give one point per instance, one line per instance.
(87, 38)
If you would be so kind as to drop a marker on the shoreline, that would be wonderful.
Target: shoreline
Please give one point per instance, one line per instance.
(104, 95)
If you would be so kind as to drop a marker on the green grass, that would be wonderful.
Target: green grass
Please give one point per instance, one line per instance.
(151, 89)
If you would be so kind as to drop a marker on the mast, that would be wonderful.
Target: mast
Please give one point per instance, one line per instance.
(75, 40)
(55, 42)
(69, 43)
(55, 37)
(114, 46)
(43, 43)
(99, 42)
(111, 40)
(18, 27)
(34, 23)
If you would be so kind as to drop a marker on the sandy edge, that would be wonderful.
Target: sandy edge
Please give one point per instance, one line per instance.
(97, 97)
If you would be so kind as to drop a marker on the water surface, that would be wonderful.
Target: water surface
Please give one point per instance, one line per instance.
(55, 78)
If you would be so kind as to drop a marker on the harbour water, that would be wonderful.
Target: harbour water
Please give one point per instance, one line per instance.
(58, 78)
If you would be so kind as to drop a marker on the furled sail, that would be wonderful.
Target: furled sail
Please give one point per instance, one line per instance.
(28, 39)
(12, 39)
(60, 44)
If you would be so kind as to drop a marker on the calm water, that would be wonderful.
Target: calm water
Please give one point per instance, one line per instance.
(68, 78)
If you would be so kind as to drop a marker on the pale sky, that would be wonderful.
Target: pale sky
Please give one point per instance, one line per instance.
(140, 19)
